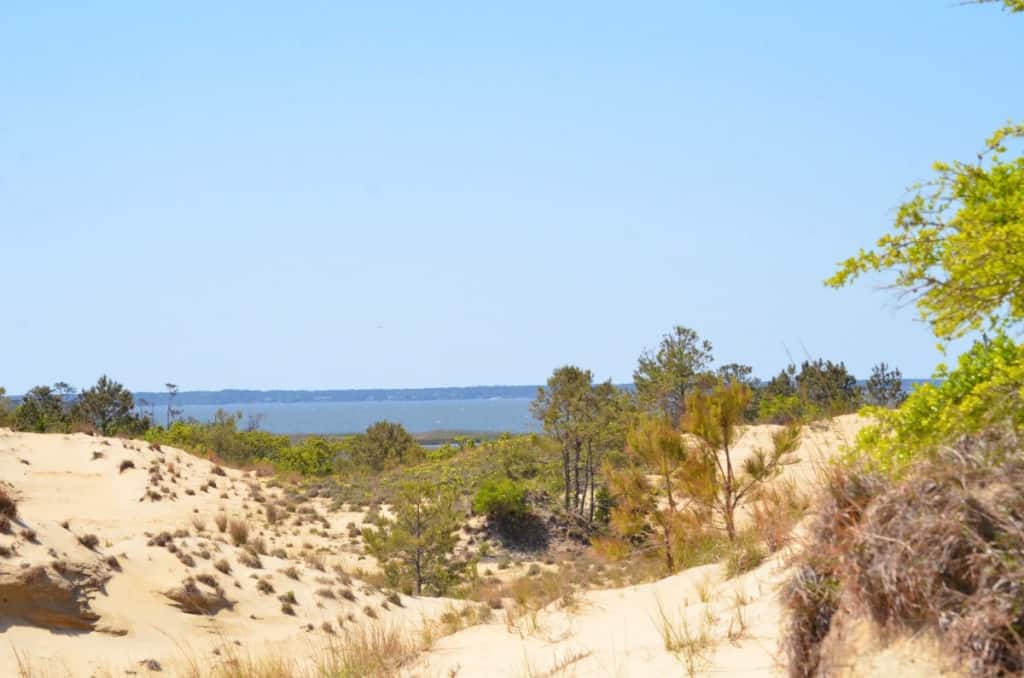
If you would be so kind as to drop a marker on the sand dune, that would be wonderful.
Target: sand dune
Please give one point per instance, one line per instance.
(71, 608)
(76, 478)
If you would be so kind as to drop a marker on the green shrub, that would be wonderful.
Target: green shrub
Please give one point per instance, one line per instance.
(502, 501)
(985, 389)
(314, 456)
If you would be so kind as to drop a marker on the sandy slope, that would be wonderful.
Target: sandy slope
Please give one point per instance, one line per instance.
(62, 481)
(619, 632)
(719, 626)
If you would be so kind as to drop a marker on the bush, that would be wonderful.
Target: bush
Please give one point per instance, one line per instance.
(985, 389)
(503, 501)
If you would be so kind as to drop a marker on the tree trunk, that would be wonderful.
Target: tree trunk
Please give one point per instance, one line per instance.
(419, 573)
(565, 469)
(729, 498)
(576, 476)
(670, 563)
(593, 496)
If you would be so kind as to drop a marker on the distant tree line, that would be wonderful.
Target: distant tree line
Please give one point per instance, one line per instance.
(106, 408)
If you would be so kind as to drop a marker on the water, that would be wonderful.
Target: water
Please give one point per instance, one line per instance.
(481, 415)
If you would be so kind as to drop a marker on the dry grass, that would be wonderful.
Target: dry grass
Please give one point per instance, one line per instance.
(250, 559)
(691, 646)
(89, 541)
(8, 507)
(239, 531)
(939, 550)
(744, 555)
(192, 599)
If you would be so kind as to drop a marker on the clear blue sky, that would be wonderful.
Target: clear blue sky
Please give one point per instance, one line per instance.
(334, 195)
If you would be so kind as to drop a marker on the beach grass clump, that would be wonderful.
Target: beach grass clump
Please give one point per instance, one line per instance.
(239, 531)
(937, 550)
(191, 599)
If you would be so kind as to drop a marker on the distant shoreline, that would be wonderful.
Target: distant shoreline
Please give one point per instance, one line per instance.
(254, 396)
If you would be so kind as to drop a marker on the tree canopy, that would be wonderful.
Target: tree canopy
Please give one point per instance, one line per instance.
(663, 378)
(956, 244)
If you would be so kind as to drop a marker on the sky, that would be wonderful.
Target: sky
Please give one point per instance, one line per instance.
(411, 194)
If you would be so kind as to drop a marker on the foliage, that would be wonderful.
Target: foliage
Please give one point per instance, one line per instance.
(518, 455)
(313, 456)
(713, 421)
(502, 500)
(587, 420)
(956, 244)
(221, 438)
(731, 372)
(826, 389)
(5, 407)
(885, 387)
(385, 444)
(535, 464)
(416, 547)
(778, 402)
(108, 407)
(1008, 5)
(664, 377)
(653, 445)
(986, 389)
(42, 409)
(780, 409)
(936, 551)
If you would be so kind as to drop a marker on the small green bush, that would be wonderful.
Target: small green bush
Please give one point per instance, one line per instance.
(502, 501)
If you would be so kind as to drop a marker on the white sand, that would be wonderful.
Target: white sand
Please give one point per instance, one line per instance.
(614, 632)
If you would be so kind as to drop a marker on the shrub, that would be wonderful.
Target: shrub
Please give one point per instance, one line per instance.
(983, 391)
(223, 565)
(501, 500)
(239, 530)
(125, 465)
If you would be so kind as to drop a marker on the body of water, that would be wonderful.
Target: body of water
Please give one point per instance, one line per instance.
(493, 415)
